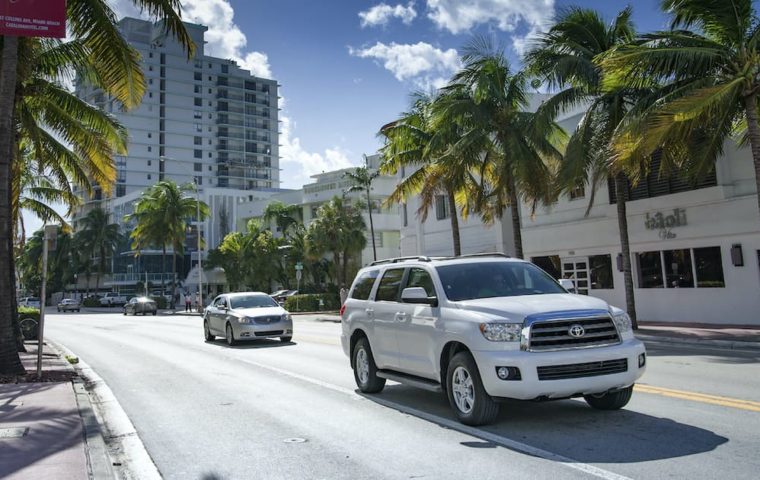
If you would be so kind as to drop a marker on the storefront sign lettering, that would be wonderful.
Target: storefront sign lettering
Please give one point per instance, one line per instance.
(664, 223)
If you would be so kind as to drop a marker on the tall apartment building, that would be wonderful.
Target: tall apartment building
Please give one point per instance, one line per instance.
(203, 120)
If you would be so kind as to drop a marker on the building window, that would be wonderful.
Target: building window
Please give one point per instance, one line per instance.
(225, 69)
(149, 163)
(314, 211)
(198, 102)
(577, 192)
(197, 167)
(709, 266)
(150, 94)
(198, 127)
(121, 190)
(601, 272)
(550, 264)
(441, 207)
(150, 135)
(197, 89)
(149, 148)
(404, 214)
(197, 76)
(149, 176)
(650, 270)
(198, 153)
(198, 180)
(379, 239)
(209, 168)
(150, 55)
(197, 141)
(210, 155)
(678, 273)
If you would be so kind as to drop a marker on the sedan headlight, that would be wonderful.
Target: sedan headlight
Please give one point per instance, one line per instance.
(286, 317)
(622, 322)
(501, 332)
(246, 320)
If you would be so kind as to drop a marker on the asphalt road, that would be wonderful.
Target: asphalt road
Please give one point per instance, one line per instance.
(208, 411)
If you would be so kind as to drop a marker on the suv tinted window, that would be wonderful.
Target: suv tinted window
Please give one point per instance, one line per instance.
(363, 284)
(389, 284)
(419, 277)
(495, 279)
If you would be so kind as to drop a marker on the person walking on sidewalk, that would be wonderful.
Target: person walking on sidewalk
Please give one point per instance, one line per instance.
(195, 301)
(187, 302)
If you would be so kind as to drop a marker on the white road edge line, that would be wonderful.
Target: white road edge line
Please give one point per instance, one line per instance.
(116, 423)
(453, 425)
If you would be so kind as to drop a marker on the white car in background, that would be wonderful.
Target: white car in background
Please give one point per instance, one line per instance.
(32, 302)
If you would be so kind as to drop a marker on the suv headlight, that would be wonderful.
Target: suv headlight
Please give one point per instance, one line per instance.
(286, 317)
(622, 322)
(501, 332)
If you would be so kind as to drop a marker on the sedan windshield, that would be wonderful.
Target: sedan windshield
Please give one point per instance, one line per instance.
(252, 301)
(495, 279)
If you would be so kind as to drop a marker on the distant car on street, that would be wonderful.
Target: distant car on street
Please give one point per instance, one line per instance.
(246, 316)
(143, 305)
(32, 302)
(68, 304)
(282, 295)
(111, 299)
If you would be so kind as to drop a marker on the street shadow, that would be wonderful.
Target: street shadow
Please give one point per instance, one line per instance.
(51, 432)
(252, 344)
(568, 427)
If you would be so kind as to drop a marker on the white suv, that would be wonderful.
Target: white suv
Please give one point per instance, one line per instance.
(486, 327)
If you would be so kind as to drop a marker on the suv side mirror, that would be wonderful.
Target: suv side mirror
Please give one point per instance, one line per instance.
(418, 295)
(567, 284)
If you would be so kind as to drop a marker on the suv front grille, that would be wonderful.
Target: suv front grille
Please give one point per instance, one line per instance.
(555, 334)
(578, 370)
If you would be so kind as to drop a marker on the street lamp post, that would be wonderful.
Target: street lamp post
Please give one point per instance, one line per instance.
(198, 233)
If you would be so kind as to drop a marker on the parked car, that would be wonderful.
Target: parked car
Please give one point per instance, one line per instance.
(283, 295)
(111, 299)
(143, 305)
(482, 328)
(246, 316)
(32, 302)
(69, 304)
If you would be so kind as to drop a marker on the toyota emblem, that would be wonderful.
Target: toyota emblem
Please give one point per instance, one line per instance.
(576, 331)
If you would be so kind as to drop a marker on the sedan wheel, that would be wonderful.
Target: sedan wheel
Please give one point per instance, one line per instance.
(207, 332)
(230, 337)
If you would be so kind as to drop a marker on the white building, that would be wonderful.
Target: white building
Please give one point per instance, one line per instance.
(203, 121)
(325, 187)
(695, 248)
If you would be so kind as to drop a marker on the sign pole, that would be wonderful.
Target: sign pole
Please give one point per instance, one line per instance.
(50, 231)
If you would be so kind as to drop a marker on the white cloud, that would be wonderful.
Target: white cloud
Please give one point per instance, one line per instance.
(381, 14)
(420, 63)
(298, 164)
(459, 16)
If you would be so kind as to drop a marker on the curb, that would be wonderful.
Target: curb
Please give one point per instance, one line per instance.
(111, 423)
(726, 344)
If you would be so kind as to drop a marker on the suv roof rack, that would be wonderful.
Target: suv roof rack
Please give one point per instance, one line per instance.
(486, 254)
(421, 258)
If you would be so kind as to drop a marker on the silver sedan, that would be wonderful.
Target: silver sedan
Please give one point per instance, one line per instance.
(246, 316)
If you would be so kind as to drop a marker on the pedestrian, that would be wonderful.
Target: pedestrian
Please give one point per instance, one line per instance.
(195, 301)
(187, 301)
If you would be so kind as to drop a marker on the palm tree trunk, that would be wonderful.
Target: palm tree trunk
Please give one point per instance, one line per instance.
(163, 268)
(371, 225)
(454, 222)
(174, 275)
(753, 129)
(514, 207)
(625, 247)
(10, 364)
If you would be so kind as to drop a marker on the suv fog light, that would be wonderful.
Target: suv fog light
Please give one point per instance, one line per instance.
(642, 360)
(508, 373)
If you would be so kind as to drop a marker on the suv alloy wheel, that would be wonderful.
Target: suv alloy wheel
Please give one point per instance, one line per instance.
(365, 370)
(469, 400)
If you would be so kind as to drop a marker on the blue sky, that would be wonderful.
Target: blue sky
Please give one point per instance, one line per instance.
(348, 66)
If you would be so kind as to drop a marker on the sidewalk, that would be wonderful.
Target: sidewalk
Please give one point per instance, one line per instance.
(43, 432)
(728, 336)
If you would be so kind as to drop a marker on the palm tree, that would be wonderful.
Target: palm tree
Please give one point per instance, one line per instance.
(162, 214)
(284, 216)
(709, 60)
(109, 63)
(99, 239)
(490, 102)
(362, 178)
(339, 230)
(565, 58)
(413, 141)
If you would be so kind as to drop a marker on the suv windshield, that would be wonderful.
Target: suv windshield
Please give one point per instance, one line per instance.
(468, 281)
(252, 301)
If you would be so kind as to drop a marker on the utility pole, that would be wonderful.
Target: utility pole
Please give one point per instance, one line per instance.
(49, 237)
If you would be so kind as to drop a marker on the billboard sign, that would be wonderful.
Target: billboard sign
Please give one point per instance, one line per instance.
(33, 18)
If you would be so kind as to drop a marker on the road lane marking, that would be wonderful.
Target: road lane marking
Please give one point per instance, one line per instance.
(454, 425)
(700, 397)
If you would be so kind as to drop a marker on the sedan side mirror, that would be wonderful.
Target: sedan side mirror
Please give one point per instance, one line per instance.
(567, 284)
(418, 295)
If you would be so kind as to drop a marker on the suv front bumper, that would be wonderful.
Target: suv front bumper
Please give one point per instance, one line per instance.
(529, 387)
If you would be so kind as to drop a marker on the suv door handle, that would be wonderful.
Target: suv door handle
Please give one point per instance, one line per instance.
(401, 316)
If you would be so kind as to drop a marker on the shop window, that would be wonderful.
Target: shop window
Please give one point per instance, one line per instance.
(441, 207)
(549, 264)
(601, 272)
(650, 270)
(709, 265)
(678, 273)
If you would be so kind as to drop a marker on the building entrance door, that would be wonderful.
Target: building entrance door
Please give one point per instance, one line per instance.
(577, 270)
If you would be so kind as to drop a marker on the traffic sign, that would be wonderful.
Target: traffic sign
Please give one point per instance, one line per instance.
(298, 274)
(299, 266)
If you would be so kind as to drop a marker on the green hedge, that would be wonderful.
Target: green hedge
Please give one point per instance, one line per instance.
(160, 302)
(310, 302)
(28, 312)
(91, 302)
